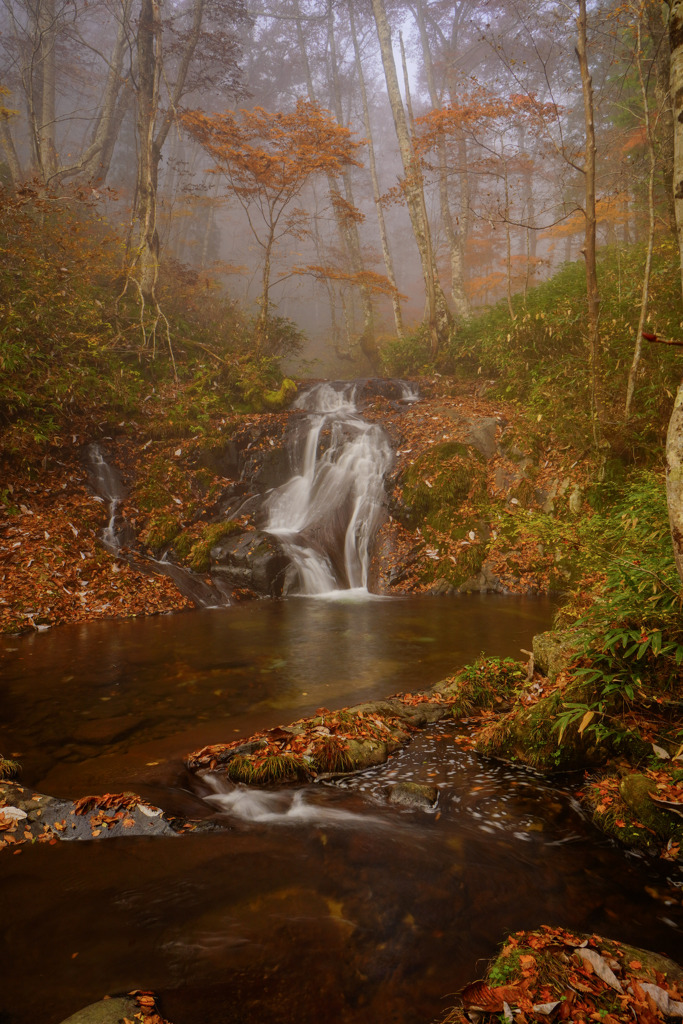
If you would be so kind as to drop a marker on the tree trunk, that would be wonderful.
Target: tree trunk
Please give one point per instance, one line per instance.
(461, 303)
(633, 373)
(367, 342)
(656, 28)
(376, 193)
(589, 252)
(674, 479)
(10, 153)
(439, 316)
(676, 40)
(146, 256)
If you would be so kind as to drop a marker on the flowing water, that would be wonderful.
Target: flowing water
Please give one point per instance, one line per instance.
(327, 515)
(318, 901)
(299, 904)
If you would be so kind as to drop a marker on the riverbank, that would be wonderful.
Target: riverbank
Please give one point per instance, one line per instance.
(462, 484)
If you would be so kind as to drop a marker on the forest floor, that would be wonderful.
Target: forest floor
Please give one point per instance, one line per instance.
(54, 569)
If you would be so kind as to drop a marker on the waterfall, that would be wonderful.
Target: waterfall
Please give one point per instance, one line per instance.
(326, 516)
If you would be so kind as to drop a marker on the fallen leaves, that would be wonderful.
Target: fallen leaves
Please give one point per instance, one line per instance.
(554, 973)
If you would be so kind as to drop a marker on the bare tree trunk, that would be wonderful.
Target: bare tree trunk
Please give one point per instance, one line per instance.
(589, 251)
(633, 373)
(384, 238)
(367, 342)
(455, 247)
(146, 255)
(10, 153)
(439, 315)
(656, 28)
(676, 89)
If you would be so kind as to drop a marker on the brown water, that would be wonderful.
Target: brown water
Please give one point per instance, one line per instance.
(320, 902)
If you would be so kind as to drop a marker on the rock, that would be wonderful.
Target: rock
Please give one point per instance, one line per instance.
(254, 560)
(575, 499)
(485, 582)
(413, 794)
(107, 1011)
(553, 651)
(107, 730)
(482, 436)
(635, 790)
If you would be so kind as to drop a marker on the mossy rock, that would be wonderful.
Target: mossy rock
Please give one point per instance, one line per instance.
(107, 1011)
(553, 652)
(440, 480)
(529, 735)
(275, 401)
(160, 531)
(635, 790)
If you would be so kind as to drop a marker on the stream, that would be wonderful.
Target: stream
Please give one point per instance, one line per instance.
(297, 904)
(318, 900)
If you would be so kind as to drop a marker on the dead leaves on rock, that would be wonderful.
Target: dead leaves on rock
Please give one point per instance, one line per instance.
(555, 974)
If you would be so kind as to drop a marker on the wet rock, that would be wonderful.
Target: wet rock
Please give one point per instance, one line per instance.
(413, 794)
(107, 730)
(485, 582)
(254, 560)
(45, 818)
(107, 1011)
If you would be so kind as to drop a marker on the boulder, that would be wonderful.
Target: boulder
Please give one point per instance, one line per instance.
(107, 1011)
(553, 652)
(253, 560)
(413, 794)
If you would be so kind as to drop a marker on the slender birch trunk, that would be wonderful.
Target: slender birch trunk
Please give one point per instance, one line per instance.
(589, 250)
(439, 317)
(376, 193)
(461, 303)
(645, 295)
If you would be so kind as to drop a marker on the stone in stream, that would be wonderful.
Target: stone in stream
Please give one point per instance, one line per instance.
(27, 816)
(107, 1011)
(414, 795)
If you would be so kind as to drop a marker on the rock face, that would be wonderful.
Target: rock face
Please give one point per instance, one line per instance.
(253, 560)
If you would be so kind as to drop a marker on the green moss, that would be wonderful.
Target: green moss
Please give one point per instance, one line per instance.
(197, 550)
(160, 531)
(274, 401)
(440, 481)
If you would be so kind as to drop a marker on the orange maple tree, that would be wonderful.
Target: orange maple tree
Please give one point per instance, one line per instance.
(266, 159)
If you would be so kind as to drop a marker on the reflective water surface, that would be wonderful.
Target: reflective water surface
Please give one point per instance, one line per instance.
(323, 902)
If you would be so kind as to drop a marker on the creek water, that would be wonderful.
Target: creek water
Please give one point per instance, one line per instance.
(319, 901)
(298, 904)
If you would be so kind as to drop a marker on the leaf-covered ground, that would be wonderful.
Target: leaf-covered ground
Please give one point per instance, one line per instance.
(555, 975)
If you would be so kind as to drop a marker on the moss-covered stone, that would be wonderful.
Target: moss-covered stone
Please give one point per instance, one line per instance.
(635, 790)
(440, 480)
(274, 401)
(553, 651)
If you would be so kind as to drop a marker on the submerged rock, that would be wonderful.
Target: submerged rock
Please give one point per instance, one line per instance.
(413, 794)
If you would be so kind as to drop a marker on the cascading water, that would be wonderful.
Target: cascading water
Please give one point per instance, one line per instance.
(327, 514)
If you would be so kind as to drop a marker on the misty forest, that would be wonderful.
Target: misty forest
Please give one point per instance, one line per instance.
(341, 511)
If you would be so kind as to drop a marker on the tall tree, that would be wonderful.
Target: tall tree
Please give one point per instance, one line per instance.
(438, 314)
(266, 159)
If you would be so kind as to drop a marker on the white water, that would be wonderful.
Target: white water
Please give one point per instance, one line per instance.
(279, 807)
(327, 515)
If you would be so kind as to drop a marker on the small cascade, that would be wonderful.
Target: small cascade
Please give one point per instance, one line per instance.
(108, 486)
(326, 516)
